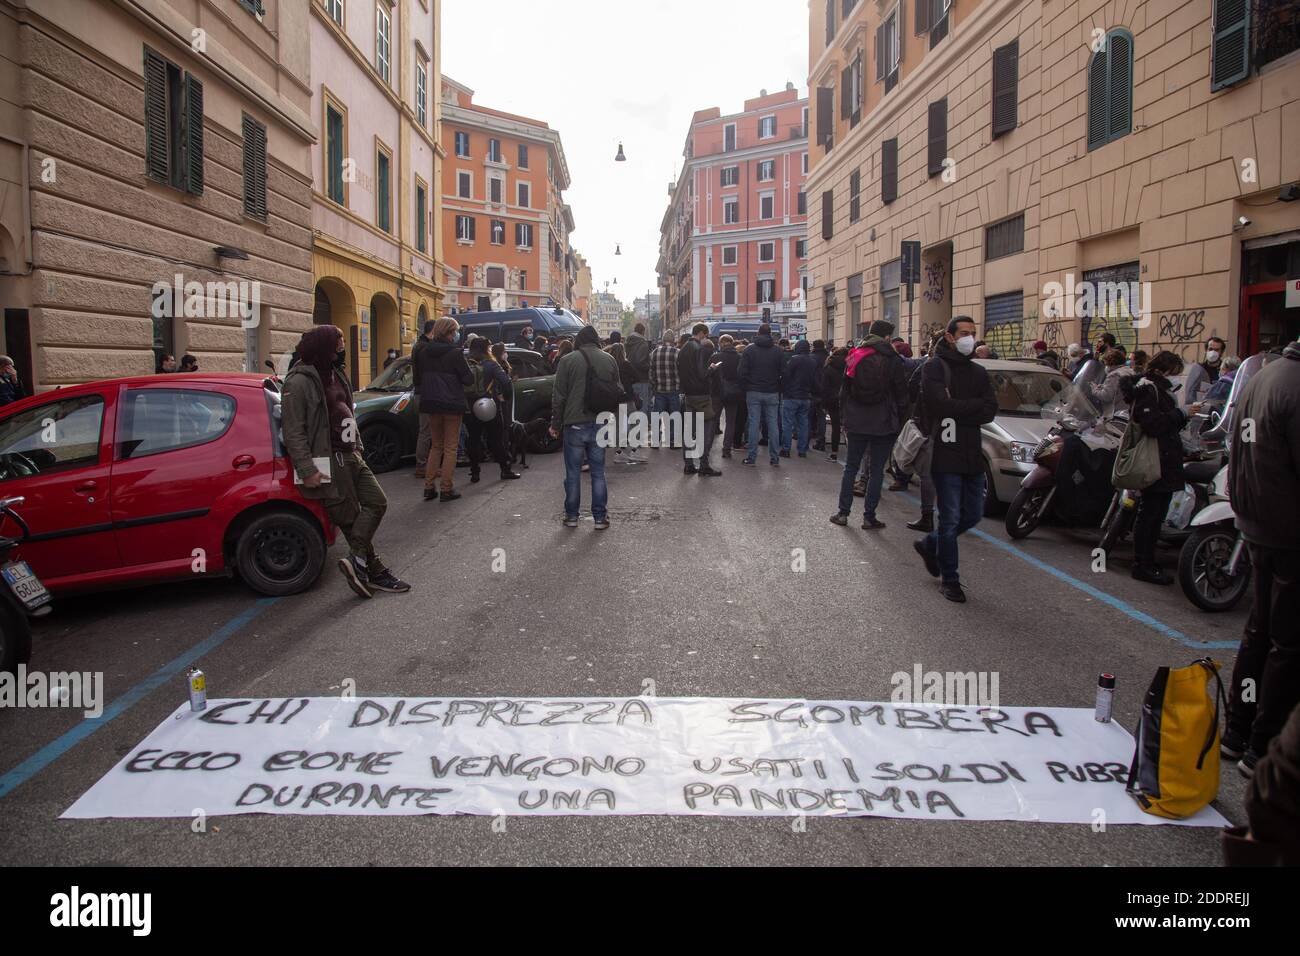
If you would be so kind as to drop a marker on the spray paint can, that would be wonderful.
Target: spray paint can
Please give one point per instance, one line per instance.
(1105, 698)
(198, 685)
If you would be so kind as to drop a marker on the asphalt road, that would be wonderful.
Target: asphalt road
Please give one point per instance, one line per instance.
(692, 587)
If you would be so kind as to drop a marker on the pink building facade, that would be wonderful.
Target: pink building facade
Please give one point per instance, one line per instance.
(733, 241)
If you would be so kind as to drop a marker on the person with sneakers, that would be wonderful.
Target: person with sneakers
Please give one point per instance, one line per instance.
(490, 381)
(725, 371)
(817, 412)
(874, 397)
(572, 419)
(1264, 487)
(797, 398)
(693, 378)
(663, 375)
(832, 384)
(631, 401)
(317, 427)
(958, 398)
(762, 373)
(443, 377)
(637, 347)
(424, 438)
(1154, 409)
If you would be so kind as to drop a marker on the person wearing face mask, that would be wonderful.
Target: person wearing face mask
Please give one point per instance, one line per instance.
(1204, 374)
(318, 426)
(1154, 409)
(957, 398)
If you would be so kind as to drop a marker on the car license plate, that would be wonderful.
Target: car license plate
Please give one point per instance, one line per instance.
(27, 587)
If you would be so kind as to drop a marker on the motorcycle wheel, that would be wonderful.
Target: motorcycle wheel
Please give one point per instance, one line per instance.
(1118, 521)
(15, 639)
(1201, 571)
(1026, 511)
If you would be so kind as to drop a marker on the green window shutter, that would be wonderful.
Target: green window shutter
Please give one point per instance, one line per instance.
(334, 146)
(155, 116)
(193, 135)
(846, 92)
(828, 213)
(938, 138)
(1006, 87)
(921, 19)
(1230, 61)
(1119, 104)
(254, 169)
(1098, 117)
(382, 187)
(889, 170)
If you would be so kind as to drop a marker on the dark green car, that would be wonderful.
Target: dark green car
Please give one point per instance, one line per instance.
(388, 412)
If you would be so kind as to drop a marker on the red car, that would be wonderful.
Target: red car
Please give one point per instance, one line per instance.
(161, 477)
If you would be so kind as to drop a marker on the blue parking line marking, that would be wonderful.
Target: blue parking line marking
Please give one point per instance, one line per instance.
(1142, 617)
(62, 744)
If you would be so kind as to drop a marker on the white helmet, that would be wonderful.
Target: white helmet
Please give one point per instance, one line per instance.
(485, 409)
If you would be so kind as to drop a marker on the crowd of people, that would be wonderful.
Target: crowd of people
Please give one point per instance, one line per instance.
(780, 395)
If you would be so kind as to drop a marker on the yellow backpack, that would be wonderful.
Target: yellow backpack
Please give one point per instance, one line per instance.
(1175, 768)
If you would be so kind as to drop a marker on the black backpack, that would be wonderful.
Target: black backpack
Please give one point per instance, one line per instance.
(602, 395)
(870, 380)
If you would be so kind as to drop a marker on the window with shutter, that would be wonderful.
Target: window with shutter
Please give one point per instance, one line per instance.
(383, 192)
(254, 169)
(1110, 90)
(846, 92)
(1006, 88)
(938, 138)
(825, 114)
(889, 170)
(921, 17)
(1231, 44)
(193, 135)
(858, 89)
(828, 214)
(421, 218)
(156, 151)
(830, 22)
(855, 200)
(1005, 238)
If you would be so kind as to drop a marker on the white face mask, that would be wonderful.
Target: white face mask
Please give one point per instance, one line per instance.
(1211, 356)
(966, 344)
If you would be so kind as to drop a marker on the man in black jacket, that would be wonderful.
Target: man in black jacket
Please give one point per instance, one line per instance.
(797, 396)
(874, 400)
(424, 439)
(693, 379)
(817, 414)
(958, 398)
(1264, 485)
(762, 370)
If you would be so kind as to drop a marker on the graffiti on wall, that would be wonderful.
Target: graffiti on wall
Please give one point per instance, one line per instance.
(935, 274)
(1183, 332)
(1007, 339)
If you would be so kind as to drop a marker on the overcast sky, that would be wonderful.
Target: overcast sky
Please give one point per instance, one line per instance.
(600, 72)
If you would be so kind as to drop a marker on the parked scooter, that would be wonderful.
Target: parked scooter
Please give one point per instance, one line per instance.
(23, 595)
(1081, 439)
(1214, 565)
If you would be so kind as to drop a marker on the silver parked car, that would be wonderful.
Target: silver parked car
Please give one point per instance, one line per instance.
(1008, 442)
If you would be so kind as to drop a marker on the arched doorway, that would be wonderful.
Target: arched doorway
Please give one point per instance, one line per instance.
(385, 331)
(336, 305)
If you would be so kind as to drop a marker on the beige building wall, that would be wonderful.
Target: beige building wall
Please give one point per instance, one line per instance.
(85, 234)
(1167, 195)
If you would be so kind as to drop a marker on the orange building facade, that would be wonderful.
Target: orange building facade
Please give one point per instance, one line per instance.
(505, 224)
(733, 239)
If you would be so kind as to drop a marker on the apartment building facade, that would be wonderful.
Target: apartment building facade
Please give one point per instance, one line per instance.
(155, 184)
(732, 241)
(377, 256)
(606, 313)
(1063, 169)
(505, 224)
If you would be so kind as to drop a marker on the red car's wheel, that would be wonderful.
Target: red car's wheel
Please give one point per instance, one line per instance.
(280, 553)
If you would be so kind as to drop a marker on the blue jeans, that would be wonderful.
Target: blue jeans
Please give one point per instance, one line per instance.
(879, 448)
(579, 446)
(794, 419)
(667, 402)
(642, 392)
(765, 407)
(961, 505)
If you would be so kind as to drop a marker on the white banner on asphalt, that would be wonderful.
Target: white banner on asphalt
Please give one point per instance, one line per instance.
(589, 756)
